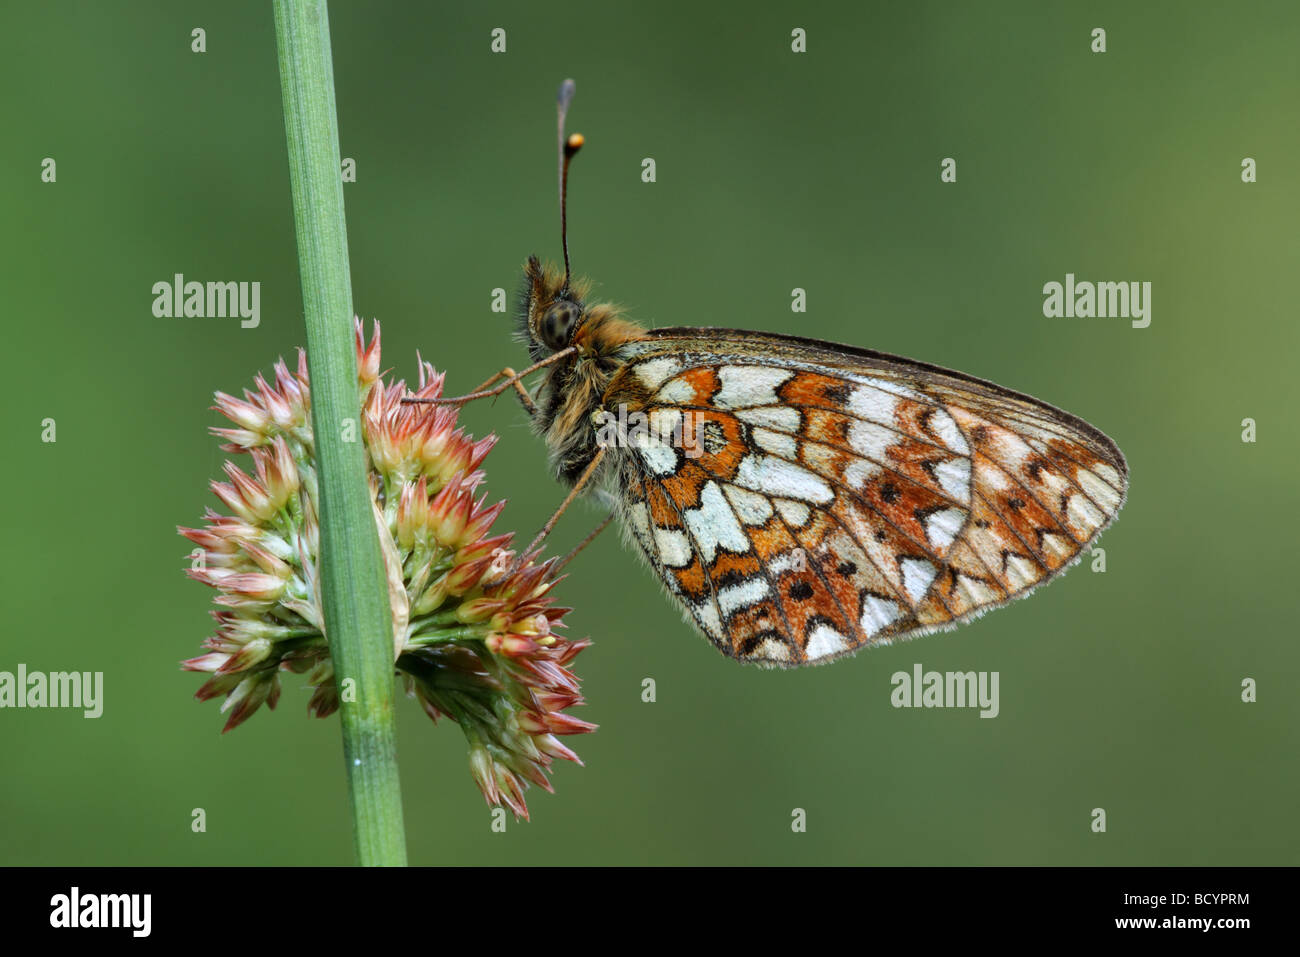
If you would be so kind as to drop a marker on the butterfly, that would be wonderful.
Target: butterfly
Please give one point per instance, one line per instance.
(802, 499)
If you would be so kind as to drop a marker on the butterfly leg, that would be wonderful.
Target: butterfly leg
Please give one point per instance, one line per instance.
(587, 474)
(512, 380)
(604, 524)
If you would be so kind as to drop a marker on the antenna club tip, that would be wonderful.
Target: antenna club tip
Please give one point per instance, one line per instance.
(574, 142)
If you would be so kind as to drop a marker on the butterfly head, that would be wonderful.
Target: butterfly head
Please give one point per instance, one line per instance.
(552, 309)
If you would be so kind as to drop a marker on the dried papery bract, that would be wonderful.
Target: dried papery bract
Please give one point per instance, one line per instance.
(474, 627)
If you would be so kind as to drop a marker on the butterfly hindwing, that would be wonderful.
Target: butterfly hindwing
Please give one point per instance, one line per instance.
(802, 499)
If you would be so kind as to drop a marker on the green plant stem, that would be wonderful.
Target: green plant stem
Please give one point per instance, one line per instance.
(354, 590)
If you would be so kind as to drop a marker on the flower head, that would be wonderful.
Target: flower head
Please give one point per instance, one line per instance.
(474, 627)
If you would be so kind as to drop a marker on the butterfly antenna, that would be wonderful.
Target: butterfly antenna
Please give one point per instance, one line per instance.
(568, 149)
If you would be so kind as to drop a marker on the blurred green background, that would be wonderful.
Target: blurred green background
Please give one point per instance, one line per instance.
(775, 170)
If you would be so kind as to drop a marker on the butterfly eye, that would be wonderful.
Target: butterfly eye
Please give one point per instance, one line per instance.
(557, 324)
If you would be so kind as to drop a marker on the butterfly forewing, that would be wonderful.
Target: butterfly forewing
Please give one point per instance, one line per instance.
(803, 499)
